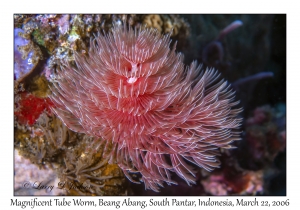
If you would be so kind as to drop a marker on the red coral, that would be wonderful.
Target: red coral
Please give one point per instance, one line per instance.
(134, 90)
(29, 108)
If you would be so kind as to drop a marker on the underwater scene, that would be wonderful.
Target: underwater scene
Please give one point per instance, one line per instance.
(150, 104)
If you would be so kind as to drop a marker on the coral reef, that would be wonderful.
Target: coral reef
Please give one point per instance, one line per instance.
(58, 36)
(49, 143)
(41, 137)
(247, 57)
(167, 23)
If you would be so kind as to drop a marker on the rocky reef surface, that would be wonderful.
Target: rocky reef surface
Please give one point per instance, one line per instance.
(248, 50)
